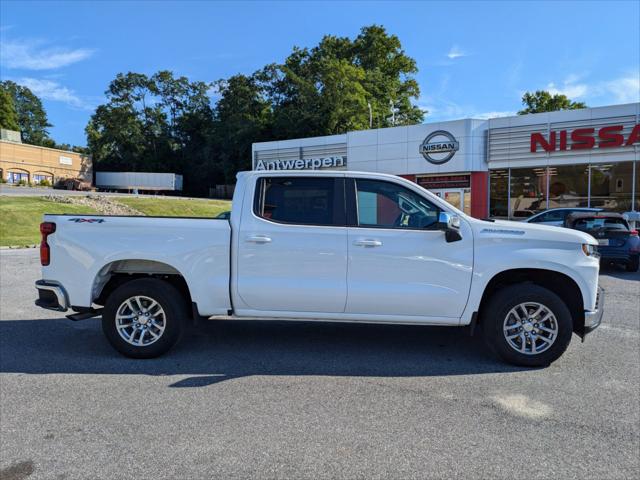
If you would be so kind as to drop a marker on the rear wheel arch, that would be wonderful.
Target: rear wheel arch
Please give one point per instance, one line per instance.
(559, 283)
(115, 274)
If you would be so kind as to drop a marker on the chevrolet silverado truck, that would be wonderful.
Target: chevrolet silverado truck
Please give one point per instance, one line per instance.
(329, 246)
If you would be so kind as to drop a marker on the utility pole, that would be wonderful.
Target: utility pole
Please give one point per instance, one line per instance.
(393, 112)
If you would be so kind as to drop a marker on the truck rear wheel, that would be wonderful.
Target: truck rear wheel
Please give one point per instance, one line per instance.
(144, 318)
(527, 325)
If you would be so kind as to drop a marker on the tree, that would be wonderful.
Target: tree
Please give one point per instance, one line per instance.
(242, 116)
(159, 123)
(32, 118)
(543, 101)
(166, 123)
(8, 115)
(330, 88)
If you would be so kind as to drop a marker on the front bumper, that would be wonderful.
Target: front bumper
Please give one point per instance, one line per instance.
(51, 296)
(592, 319)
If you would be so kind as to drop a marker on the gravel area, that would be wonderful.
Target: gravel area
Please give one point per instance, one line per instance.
(103, 204)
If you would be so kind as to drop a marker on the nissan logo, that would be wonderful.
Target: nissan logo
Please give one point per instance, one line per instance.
(439, 147)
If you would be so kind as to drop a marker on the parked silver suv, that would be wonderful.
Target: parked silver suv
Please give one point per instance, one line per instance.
(557, 216)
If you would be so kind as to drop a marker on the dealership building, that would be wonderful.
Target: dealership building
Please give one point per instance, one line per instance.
(509, 167)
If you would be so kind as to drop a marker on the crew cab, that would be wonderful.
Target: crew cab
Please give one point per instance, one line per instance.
(330, 246)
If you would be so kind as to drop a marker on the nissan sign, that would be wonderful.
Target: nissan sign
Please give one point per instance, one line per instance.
(439, 147)
(585, 138)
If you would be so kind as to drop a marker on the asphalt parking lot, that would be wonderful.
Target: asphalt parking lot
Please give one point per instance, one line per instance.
(303, 400)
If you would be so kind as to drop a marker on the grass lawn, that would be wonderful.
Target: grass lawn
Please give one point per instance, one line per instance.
(20, 218)
(176, 207)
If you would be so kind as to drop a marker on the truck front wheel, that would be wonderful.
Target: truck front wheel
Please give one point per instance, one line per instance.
(144, 318)
(527, 325)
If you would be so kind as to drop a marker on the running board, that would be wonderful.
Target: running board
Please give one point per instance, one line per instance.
(84, 315)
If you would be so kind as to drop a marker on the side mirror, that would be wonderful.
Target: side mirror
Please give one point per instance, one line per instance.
(450, 224)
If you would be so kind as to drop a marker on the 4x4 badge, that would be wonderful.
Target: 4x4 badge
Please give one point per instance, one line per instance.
(87, 220)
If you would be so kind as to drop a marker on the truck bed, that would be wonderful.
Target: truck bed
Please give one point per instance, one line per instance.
(94, 246)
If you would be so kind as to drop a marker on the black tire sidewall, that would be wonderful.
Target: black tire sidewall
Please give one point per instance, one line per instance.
(633, 264)
(497, 309)
(169, 299)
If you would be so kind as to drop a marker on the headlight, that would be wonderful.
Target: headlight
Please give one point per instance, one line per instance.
(590, 250)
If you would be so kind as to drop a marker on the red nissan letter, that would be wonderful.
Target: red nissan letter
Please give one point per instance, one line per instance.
(634, 136)
(582, 139)
(608, 139)
(538, 138)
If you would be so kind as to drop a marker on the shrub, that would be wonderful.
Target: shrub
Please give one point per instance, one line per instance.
(22, 182)
(45, 183)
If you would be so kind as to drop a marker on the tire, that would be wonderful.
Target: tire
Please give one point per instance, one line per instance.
(163, 322)
(633, 264)
(503, 310)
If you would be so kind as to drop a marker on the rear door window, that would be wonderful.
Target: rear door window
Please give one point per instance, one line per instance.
(301, 200)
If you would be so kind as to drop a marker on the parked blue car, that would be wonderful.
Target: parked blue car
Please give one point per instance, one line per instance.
(618, 243)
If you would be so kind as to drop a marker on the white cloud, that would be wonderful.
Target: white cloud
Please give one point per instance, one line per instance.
(496, 114)
(51, 90)
(31, 55)
(624, 89)
(571, 90)
(455, 52)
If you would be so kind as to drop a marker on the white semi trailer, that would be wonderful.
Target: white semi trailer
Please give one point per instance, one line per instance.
(138, 181)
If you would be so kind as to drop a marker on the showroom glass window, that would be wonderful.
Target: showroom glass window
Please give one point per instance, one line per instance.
(637, 196)
(300, 200)
(498, 193)
(389, 205)
(528, 191)
(569, 186)
(612, 186)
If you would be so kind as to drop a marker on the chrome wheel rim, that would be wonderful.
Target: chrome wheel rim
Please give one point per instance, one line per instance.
(530, 328)
(140, 321)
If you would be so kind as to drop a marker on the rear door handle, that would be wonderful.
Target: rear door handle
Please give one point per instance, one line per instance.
(258, 239)
(368, 243)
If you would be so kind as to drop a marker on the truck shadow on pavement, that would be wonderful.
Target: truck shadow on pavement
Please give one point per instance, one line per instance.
(215, 351)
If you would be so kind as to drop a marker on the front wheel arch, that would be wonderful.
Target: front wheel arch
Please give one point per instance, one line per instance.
(559, 283)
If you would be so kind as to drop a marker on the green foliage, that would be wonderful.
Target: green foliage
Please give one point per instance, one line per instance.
(158, 123)
(20, 218)
(31, 117)
(328, 89)
(8, 115)
(164, 123)
(543, 101)
(179, 207)
(242, 116)
(22, 182)
(44, 183)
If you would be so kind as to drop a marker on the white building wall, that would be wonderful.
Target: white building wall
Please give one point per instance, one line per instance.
(394, 150)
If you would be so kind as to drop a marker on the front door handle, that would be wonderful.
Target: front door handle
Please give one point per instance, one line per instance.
(368, 243)
(258, 239)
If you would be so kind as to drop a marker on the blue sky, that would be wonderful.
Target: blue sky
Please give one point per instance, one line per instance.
(475, 59)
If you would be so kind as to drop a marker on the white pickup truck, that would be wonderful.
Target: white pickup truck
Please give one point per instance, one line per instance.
(325, 246)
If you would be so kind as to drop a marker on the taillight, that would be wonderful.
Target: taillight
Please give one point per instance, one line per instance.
(633, 233)
(46, 229)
